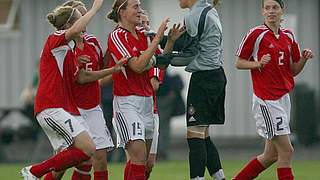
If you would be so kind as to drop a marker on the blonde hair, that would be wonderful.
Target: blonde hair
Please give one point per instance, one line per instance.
(60, 16)
(116, 7)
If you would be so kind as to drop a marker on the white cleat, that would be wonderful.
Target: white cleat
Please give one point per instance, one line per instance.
(26, 174)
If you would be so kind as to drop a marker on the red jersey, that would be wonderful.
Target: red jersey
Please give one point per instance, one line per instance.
(159, 74)
(88, 95)
(57, 71)
(275, 79)
(121, 43)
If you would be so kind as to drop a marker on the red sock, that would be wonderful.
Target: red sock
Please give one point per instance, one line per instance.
(101, 175)
(61, 161)
(137, 172)
(250, 171)
(48, 176)
(285, 174)
(127, 170)
(82, 172)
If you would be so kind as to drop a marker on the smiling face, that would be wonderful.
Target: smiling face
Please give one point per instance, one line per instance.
(272, 11)
(132, 13)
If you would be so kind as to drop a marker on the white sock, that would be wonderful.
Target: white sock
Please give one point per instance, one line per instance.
(219, 175)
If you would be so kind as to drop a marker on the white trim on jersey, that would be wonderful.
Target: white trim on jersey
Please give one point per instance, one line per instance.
(123, 69)
(96, 48)
(60, 54)
(117, 42)
(257, 44)
(262, 27)
(59, 33)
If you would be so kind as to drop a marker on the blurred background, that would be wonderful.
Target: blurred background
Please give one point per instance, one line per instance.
(24, 29)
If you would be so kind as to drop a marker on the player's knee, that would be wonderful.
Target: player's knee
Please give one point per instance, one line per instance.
(196, 132)
(137, 151)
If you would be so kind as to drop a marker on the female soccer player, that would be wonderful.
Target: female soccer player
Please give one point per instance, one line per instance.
(88, 101)
(272, 55)
(132, 89)
(55, 108)
(201, 51)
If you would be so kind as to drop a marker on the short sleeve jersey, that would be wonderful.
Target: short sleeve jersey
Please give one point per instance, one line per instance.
(275, 79)
(88, 95)
(121, 43)
(57, 70)
(159, 74)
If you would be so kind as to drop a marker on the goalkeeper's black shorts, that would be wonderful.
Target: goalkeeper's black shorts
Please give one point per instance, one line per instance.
(206, 98)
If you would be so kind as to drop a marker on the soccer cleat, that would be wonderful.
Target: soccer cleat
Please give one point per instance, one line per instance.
(26, 174)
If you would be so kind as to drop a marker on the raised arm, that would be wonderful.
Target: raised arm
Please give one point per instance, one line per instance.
(83, 21)
(138, 64)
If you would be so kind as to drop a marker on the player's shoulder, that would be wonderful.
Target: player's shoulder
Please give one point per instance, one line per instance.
(288, 32)
(90, 37)
(258, 29)
(119, 32)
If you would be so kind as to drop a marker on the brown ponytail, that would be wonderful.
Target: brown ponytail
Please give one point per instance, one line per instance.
(114, 14)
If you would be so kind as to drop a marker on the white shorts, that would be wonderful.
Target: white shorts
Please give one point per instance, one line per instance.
(97, 126)
(132, 118)
(272, 116)
(154, 145)
(60, 127)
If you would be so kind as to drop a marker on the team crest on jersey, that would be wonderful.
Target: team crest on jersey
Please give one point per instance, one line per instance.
(191, 110)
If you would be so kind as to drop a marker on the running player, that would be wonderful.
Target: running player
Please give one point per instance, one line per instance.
(272, 55)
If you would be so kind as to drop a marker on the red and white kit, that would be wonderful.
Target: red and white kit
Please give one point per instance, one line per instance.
(133, 104)
(273, 82)
(88, 96)
(54, 102)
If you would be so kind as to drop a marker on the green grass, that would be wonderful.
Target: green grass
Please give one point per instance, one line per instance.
(178, 170)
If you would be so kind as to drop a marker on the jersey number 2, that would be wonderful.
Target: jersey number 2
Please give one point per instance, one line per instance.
(281, 58)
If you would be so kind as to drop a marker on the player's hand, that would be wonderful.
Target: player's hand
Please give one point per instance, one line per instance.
(175, 32)
(265, 59)
(120, 64)
(163, 27)
(307, 54)
(83, 59)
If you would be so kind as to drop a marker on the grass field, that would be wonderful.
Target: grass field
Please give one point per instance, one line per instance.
(178, 170)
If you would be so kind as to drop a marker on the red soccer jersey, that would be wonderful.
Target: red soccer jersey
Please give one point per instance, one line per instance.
(57, 71)
(88, 95)
(121, 43)
(159, 74)
(275, 79)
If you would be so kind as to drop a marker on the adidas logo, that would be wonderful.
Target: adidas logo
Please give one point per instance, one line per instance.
(271, 46)
(191, 119)
(135, 49)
